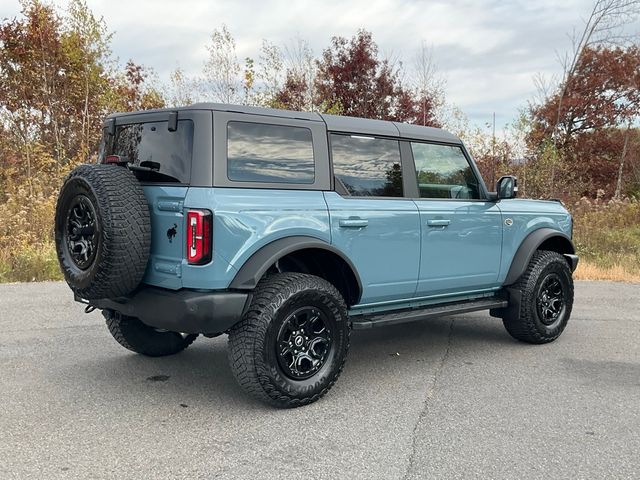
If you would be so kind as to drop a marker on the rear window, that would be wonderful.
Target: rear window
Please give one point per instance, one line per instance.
(265, 153)
(155, 153)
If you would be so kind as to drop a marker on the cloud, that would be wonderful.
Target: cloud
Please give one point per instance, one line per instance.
(488, 51)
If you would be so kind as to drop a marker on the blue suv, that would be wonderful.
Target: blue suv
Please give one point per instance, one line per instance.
(286, 230)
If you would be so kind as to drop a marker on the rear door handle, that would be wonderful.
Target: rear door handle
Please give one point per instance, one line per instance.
(438, 223)
(353, 223)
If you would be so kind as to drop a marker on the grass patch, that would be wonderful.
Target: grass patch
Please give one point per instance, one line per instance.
(615, 273)
(30, 263)
(607, 237)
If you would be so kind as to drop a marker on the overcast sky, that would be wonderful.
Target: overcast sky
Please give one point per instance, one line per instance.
(488, 51)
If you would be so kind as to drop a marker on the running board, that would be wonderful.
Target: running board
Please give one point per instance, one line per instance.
(381, 320)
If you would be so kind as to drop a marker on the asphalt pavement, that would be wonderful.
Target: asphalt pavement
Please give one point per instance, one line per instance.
(453, 397)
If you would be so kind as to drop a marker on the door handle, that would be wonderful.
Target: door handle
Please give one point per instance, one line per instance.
(353, 223)
(438, 223)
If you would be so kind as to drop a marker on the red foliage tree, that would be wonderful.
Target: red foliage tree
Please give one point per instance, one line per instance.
(588, 123)
(352, 80)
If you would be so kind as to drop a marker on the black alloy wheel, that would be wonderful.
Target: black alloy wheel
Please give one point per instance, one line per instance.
(81, 235)
(303, 343)
(550, 301)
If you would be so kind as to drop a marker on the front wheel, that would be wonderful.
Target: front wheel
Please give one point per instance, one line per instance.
(289, 348)
(547, 298)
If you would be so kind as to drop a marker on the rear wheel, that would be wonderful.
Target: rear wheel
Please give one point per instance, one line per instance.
(291, 345)
(134, 335)
(547, 298)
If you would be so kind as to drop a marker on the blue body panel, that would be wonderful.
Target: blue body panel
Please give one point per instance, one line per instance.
(166, 205)
(247, 219)
(461, 246)
(385, 251)
(402, 260)
(528, 216)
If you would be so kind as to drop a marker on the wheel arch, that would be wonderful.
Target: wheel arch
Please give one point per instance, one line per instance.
(306, 255)
(541, 239)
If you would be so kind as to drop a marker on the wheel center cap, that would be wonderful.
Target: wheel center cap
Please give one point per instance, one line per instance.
(299, 340)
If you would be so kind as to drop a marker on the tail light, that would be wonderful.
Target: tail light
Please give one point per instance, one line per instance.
(113, 159)
(199, 236)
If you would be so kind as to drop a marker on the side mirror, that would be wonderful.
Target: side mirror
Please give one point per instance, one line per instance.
(507, 187)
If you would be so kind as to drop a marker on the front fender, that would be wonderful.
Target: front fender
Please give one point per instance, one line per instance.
(531, 243)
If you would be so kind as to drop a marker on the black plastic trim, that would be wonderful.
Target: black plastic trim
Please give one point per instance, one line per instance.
(255, 267)
(431, 311)
(186, 311)
(572, 260)
(528, 247)
(172, 123)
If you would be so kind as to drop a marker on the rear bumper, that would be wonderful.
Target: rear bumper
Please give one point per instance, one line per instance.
(186, 311)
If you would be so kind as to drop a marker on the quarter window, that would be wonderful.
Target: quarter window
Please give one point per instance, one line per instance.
(444, 172)
(265, 153)
(367, 166)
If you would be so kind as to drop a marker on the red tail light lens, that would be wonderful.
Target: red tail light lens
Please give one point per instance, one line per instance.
(199, 236)
(113, 159)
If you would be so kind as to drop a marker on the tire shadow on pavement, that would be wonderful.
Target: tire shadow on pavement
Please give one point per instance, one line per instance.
(201, 373)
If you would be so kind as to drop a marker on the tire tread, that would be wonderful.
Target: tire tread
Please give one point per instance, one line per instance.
(524, 326)
(246, 337)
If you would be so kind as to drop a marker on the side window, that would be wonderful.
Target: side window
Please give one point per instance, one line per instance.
(367, 166)
(264, 153)
(444, 172)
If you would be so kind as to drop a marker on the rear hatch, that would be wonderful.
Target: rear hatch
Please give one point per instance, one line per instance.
(158, 147)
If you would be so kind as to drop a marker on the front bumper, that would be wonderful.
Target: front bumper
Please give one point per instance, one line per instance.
(186, 311)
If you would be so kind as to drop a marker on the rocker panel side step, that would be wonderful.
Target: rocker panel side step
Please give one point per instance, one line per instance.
(413, 315)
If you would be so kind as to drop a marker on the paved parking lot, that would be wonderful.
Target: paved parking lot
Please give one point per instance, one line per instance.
(449, 398)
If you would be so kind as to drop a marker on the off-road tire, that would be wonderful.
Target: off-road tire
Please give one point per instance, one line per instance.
(134, 335)
(122, 235)
(528, 326)
(252, 342)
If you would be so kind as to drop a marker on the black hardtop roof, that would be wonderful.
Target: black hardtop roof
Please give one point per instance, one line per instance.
(335, 123)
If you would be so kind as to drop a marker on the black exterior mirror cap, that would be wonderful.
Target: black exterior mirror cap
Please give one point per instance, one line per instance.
(507, 187)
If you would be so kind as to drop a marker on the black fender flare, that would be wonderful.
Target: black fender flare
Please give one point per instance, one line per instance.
(257, 264)
(528, 247)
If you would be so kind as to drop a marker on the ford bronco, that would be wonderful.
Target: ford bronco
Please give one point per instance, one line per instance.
(286, 230)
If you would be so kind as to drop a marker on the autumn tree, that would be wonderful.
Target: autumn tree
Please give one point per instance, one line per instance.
(565, 111)
(182, 89)
(428, 88)
(222, 81)
(354, 81)
(57, 83)
(590, 117)
(132, 91)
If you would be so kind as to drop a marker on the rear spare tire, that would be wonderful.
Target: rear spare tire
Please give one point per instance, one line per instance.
(102, 231)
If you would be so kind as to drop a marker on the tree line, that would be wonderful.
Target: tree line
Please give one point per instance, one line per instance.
(578, 137)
